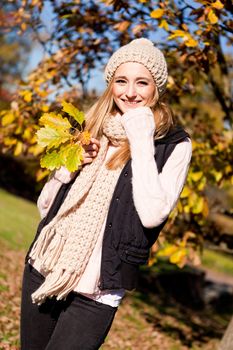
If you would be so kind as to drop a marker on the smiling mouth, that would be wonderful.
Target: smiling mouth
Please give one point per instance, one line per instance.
(131, 103)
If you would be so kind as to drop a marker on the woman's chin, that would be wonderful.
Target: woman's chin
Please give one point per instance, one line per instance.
(126, 107)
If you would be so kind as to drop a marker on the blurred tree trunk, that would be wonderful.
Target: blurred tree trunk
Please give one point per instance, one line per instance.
(227, 340)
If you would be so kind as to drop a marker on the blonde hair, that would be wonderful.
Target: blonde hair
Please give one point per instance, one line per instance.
(105, 105)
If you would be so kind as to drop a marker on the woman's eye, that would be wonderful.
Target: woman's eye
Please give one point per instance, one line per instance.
(142, 82)
(120, 81)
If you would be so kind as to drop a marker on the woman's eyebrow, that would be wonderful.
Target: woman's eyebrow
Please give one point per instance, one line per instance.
(143, 78)
(120, 77)
(137, 78)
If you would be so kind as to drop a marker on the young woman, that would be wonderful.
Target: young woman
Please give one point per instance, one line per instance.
(99, 223)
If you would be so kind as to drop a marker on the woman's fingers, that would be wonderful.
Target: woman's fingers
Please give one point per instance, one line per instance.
(87, 160)
(91, 151)
(90, 148)
(94, 145)
(95, 141)
(91, 154)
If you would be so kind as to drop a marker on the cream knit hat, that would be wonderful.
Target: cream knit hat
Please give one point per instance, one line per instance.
(141, 51)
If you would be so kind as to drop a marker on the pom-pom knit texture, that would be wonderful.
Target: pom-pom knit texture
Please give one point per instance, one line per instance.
(141, 51)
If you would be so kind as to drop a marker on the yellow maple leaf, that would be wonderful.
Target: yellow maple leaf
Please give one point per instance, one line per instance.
(164, 24)
(73, 112)
(44, 108)
(196, 176)
(41, 174)
(198, 205)
(218, 5)
(27, 134)
(202, 184)
(85, 137)
(158, 13)
(178, 256)
(185, 193)
(212, 17)
(18, 148)
(228, 169)
(27, 95)
(168, 250)
(217, 175)
(35, 150)
(8, 118)
(9, 141)
(190, 42)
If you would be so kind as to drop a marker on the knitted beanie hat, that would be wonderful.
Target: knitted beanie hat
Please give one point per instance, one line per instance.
(141, 51)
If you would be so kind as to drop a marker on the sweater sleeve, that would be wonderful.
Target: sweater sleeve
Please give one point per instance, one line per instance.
(51, 189)
(155, 195)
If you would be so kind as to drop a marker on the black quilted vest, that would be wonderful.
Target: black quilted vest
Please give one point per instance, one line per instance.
(126, 243)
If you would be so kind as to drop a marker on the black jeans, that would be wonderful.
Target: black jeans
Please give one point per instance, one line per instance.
(76, 323)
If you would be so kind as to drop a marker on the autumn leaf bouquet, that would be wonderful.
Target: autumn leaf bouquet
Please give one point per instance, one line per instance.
(63, 143)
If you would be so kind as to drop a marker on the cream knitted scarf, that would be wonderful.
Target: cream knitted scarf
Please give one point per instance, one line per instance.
(66, 243)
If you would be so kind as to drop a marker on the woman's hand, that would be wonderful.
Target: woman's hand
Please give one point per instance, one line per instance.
(63, 175)
(91, 151)
(139, 123)
(139, 126)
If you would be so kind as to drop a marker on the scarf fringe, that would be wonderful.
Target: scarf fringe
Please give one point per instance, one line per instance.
(48, 248)
(57, 283)
(53, 253)
(40, 246)
(95, 184)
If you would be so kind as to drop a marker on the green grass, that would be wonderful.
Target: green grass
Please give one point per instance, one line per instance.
(18, 220)
(217, 261)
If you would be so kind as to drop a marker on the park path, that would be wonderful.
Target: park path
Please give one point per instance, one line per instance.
(218, 277)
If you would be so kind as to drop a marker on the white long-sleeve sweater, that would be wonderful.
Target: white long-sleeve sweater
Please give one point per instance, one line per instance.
(154, 194)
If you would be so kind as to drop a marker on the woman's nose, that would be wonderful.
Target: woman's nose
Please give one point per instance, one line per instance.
(130, 91)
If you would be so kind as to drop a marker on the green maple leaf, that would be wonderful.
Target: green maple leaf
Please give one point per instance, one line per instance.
(51, 160)
(72, 156)
(56, 135)
(50, 137)
(73, 112)
(55, 121)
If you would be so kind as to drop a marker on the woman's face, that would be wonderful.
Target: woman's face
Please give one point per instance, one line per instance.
(133, 86)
